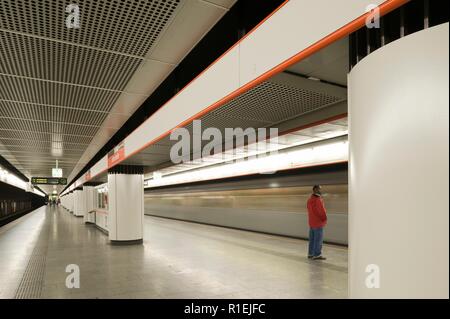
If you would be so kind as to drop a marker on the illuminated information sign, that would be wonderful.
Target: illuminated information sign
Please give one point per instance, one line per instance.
(57, 172)
(48, 180)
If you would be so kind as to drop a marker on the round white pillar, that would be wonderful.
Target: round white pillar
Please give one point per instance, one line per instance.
(126, 206)
(398, 169)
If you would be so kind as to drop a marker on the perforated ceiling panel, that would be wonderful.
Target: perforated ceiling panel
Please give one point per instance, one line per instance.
(272, 102)
(36, 112)
(15, 136)
(58, 85)
(57, 61)
(128, 26)
(42, 92)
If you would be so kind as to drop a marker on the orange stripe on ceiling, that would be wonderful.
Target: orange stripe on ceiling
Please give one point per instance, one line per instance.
(356, 24)
(301, 127)
(385, 7)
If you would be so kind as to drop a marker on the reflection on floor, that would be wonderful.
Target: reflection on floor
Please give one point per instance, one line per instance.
(177, 260)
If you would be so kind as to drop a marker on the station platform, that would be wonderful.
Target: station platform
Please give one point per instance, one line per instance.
(177, 260)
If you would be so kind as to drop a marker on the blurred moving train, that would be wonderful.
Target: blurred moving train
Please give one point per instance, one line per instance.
(274, 204)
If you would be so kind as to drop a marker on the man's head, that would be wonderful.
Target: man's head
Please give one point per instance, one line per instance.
(317, 190)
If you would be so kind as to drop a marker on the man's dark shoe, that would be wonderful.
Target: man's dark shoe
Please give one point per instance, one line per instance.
(310, 257)
(319, 258)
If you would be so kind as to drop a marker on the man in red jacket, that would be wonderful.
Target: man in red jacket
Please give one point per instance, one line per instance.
(317, 216)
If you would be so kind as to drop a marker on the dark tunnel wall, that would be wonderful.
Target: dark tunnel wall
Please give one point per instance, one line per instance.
(15, 202)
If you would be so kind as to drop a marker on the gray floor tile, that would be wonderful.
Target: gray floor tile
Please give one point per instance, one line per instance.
(177, 260)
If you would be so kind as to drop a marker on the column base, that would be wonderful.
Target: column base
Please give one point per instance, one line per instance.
(127, 242)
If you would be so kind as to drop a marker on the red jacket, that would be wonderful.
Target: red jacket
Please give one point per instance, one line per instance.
(317, 214)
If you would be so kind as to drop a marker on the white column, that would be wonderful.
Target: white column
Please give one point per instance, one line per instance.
(71, 205)
(74, 202)
(125, 207)
(88, 194)
(398, 169)
(79, 204)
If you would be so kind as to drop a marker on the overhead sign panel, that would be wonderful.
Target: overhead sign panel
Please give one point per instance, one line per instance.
(48, 180)
(116, 155)
(57, 172)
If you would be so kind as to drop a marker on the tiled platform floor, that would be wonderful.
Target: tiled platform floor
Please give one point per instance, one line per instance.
(177, 260)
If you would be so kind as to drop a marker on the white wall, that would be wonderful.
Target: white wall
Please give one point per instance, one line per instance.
(101, 219)
(398, 173)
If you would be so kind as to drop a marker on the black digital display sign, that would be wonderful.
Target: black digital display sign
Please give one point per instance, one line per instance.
(48, 180)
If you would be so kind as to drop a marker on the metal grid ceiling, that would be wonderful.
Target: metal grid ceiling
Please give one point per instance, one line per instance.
(130, 26)
(57, 61)
(58, 85)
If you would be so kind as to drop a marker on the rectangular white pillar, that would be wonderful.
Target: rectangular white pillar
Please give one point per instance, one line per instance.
(71, 205)
(78, 202)
(88, 194)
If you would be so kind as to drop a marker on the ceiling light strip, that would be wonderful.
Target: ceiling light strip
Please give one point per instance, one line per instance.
(305, 156)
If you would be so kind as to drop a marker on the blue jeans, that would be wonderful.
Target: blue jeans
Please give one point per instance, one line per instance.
(315, 241)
